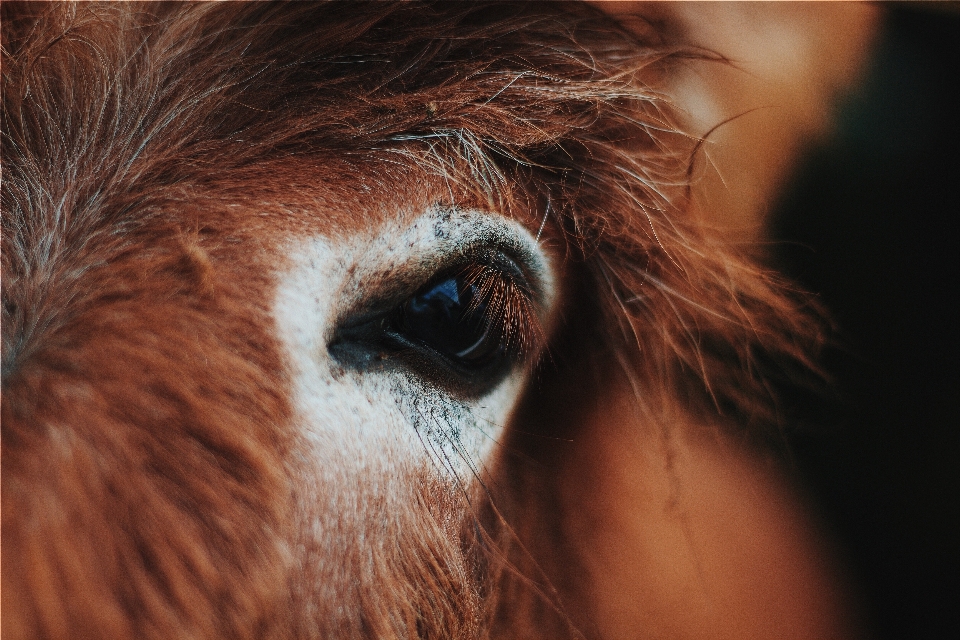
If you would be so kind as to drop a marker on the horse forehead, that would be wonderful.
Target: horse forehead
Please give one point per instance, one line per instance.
(340, 202)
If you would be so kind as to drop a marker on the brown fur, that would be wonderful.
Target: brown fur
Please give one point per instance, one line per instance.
(146, 422)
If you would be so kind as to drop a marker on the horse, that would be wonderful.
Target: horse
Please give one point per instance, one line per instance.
(384, 320)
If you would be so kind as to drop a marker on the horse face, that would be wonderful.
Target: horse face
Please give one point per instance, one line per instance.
(278, 285)
(251, 390)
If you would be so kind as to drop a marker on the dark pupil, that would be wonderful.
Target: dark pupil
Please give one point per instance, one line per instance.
(449, 317)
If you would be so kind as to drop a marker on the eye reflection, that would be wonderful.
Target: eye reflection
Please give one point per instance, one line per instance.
(451, 316)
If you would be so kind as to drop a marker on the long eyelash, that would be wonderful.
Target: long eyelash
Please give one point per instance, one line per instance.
(510, 309)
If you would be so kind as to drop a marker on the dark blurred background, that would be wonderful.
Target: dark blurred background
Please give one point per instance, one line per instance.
(870, 223)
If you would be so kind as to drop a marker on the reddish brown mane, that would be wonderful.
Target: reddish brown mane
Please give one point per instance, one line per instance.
(145, 408)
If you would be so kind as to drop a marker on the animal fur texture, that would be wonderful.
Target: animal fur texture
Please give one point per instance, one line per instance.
(154, 156)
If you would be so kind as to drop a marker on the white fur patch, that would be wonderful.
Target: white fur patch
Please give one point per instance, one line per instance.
(360, 425)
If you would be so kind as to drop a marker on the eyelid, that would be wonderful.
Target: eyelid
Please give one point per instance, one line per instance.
(405, 280)
(522, 304)
(499, 258)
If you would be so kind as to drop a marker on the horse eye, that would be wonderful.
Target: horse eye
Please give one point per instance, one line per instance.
(452, 318)
(464, 330)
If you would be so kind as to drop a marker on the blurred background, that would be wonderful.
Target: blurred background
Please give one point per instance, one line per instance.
(869, 221)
